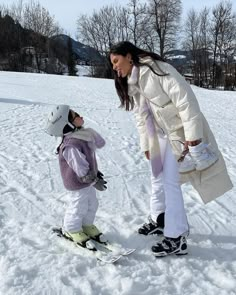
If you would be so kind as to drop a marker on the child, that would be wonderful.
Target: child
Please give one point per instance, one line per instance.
(79, 172)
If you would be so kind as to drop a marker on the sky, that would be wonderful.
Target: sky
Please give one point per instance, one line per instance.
(67, 12)
(32, 198)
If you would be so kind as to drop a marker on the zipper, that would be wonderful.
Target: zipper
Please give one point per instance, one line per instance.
(148, 101)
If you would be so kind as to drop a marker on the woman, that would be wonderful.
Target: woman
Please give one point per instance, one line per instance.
(175, 137)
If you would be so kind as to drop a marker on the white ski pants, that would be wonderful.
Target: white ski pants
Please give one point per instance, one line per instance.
(81, 209)
(167, 194)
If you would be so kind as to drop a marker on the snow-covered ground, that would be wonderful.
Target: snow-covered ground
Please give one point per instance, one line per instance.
(32, 198)
(83, 70)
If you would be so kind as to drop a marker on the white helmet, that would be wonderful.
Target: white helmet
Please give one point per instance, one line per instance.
(57, 120)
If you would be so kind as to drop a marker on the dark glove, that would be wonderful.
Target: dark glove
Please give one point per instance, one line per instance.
(100, 184)
(99, 175)
(88, 178)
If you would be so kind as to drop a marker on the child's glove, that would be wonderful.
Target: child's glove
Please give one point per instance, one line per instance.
(88, 178)
(100, 175)
(91, 177)
(100, 185)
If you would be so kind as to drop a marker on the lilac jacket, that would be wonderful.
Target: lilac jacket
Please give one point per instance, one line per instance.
(70, 177)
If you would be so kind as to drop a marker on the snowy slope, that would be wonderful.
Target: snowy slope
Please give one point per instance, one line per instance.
(32, 198)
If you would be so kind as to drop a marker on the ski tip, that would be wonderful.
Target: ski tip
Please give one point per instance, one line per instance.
(129, 251)
(110, 260)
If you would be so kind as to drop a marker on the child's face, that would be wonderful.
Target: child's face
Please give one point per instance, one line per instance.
(77, 120)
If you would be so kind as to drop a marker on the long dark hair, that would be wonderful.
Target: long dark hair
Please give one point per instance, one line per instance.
(68, 128)
(123, 48)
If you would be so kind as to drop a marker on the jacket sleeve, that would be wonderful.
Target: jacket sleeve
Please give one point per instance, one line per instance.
(182, 96)
(76, 160)
(141, 126)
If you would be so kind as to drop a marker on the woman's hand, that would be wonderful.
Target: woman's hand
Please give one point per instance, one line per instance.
(192, 143)
(186, 150)
(147, 155)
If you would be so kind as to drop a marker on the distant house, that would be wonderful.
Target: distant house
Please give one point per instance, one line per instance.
(189, 78)
(29, 50)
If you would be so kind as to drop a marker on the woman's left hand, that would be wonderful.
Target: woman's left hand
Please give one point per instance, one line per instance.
(192, 143)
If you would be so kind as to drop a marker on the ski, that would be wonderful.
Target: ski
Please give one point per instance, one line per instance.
(114, 247)
(98, 254)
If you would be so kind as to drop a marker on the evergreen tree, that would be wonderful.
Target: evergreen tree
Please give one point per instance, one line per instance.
(71, 62)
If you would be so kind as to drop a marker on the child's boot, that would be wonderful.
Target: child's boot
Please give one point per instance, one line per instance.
(79, 238)
(202, 156)
(187, 164)
(94, 233)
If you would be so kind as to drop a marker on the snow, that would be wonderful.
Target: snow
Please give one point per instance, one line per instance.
(176, 57)
(32, 198)
(83, 70)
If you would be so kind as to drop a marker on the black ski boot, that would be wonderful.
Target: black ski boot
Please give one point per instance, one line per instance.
(168, 246)
(153, 228)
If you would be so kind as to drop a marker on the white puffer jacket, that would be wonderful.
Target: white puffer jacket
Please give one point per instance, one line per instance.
(177, 114)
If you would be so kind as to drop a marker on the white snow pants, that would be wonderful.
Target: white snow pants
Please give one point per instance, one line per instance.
(81, 209)
(167, 194)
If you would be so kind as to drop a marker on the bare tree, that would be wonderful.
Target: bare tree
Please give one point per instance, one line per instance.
(123, 20)
(38, 19)
(223, 34)
(33, 27)
(87, 31)
(137, 22)
(108, 26)
(192, 36)
(165, 17)
(205, 43)
(16, 11)
(99, 30)
(112, 24)
(3, 10)
(193, 42)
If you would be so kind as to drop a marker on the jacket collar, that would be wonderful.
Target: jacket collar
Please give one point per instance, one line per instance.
(133, 78)
(133, 81)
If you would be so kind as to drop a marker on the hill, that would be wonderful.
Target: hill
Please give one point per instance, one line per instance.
(82, 53)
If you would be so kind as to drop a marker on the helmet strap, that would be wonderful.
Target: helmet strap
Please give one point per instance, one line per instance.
(71, 125)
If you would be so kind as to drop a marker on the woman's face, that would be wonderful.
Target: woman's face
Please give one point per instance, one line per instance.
(121, 64)
(77, 120)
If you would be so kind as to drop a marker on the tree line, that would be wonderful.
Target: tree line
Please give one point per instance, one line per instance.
(27, 40)
(209, 35)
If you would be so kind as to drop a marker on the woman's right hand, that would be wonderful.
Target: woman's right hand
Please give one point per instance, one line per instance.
(147, 155)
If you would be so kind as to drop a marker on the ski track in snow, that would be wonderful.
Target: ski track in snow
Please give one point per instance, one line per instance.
(32, 198)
